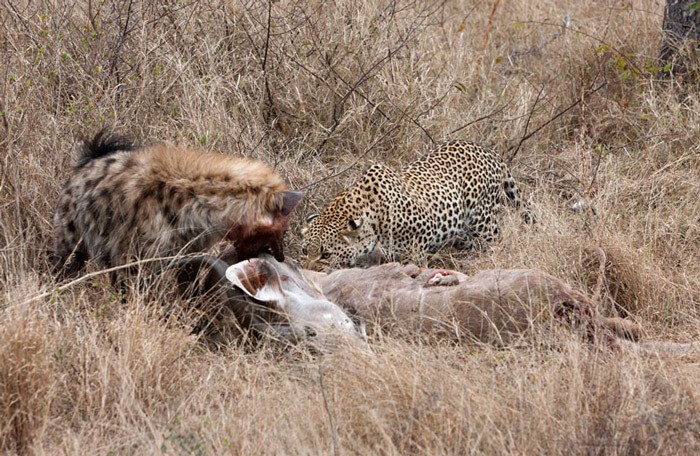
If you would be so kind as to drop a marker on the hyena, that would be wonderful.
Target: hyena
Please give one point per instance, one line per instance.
(125, 202)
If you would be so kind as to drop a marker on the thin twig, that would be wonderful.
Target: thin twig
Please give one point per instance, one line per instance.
(587, 35)
(24, 23)
(326, 406)
(527, 121)
(249, 36)
(85, 277)
(552, 119)
(5, 123)
(268, 91)
(171, 10)
(126, 31)
(365, 76)
(602, 262)
(355, 162)
(354, 88)
(488, 30)
(484, 117)
(414, 120)
(267, 36)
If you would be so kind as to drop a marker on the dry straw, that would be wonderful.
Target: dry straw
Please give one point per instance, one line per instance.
(324, 89)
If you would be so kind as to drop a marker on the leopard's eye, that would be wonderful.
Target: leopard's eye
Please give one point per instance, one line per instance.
(325, 255)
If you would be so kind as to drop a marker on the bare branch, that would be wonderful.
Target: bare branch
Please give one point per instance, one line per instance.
(355, 162)
(527, 122)
(552, 119)
(484, 117)
(488, 30)
(85, 277)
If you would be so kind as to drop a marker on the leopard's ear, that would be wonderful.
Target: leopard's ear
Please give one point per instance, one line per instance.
(354, 224)
(310, 217)
(352, 230)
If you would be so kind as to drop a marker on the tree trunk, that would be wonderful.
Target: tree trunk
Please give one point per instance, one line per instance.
(679, 49)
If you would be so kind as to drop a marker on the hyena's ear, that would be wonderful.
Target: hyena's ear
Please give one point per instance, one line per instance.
(290, 200)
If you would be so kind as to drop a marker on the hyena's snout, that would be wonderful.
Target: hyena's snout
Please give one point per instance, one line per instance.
(276, 249)
(266, 235)
(256, 242)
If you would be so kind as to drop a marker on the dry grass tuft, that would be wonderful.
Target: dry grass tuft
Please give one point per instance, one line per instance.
(27, 389)
(569, 92)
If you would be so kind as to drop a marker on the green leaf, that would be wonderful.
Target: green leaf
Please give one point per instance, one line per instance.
(602, 48)
(650, 67)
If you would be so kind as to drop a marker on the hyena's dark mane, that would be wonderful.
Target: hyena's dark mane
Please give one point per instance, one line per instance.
(103, 144)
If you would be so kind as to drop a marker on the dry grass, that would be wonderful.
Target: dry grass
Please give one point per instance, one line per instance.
(319, 88)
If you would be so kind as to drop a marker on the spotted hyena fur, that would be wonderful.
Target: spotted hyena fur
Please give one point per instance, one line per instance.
(124, 202)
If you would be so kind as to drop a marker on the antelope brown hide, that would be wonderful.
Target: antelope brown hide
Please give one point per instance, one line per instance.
(495, 306)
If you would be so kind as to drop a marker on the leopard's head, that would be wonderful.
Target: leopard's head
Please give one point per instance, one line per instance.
(337, 237)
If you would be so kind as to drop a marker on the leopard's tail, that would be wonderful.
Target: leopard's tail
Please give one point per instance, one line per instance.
(510, 187)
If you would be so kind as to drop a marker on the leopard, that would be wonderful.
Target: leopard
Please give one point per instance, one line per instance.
(450, 197)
